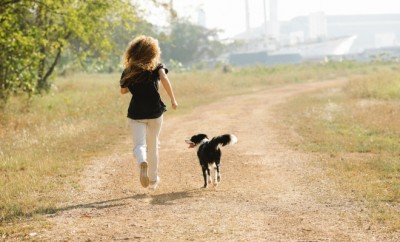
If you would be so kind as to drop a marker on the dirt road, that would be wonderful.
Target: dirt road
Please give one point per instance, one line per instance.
(268, 191)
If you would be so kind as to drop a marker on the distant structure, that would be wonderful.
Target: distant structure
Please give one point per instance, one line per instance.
(247, 15)
(372, 31)
(269, 37)
(316, 37)
(317, 26)
(273, 21)
(201, 17)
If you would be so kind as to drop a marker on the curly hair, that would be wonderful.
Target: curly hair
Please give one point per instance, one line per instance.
(141, 55)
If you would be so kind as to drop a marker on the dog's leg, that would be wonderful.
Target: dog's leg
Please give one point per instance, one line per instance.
(218, 174)
(205, 168)
(209, 175)
(217, 163)
(215, 175)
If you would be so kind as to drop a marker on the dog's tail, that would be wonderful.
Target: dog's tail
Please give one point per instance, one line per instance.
(226, 139)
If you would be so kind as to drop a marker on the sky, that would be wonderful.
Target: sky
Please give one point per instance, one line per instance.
(229, 15)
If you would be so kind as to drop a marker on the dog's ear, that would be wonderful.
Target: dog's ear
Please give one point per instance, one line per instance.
(191, 144)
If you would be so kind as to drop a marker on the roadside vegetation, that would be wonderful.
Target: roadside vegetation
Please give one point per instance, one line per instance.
(45, 141)
(356, 131)
(54, 119)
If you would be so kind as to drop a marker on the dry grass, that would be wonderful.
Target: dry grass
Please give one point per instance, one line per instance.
(45, 145)
(54, 138)
(357, 131)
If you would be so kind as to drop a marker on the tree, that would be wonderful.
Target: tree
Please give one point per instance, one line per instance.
(17, 49)
(188, 43)
(34, 34)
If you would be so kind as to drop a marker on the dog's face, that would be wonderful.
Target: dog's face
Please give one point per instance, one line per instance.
(195, 140)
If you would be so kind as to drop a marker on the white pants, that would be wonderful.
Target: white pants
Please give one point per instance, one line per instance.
(145, 134)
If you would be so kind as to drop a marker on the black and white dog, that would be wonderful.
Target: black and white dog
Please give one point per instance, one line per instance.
(209, 153)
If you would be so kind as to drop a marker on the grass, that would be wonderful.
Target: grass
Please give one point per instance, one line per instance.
(53, 139)
(356, 129)
(46, 143)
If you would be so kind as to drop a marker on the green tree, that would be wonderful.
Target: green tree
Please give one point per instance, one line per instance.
(34, 34)
(189, 43)
(17, 46)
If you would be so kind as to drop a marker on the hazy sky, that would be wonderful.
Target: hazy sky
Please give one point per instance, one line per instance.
(229, 15)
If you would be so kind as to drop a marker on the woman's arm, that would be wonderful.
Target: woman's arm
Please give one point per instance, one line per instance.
(168, 88)
(124, 90)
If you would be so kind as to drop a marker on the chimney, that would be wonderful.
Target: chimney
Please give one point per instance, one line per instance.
(247, 16)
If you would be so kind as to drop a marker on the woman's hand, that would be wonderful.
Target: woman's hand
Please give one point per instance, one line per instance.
(174, 104)
(124, 90)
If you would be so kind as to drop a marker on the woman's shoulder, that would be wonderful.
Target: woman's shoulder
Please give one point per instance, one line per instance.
(124, 72)
(161, 66)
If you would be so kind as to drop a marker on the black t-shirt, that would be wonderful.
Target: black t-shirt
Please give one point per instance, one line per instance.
(146, 102)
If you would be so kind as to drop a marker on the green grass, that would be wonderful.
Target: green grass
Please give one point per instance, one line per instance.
(356, 129)
(46, 143)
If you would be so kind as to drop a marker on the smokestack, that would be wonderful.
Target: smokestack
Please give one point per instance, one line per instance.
(273, 6)
(247, 16)
(265, 18)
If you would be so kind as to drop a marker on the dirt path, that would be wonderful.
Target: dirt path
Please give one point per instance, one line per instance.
(267, 191)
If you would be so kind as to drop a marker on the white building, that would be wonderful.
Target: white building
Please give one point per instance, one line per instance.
(317, 26)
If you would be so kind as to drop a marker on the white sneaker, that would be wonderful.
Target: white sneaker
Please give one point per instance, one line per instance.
(144, 179)
(153, 184)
